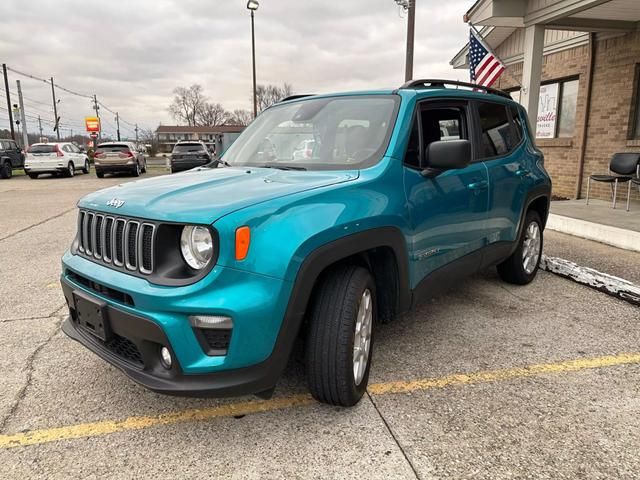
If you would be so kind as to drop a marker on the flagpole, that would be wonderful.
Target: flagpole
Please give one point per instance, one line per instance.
(490, 50)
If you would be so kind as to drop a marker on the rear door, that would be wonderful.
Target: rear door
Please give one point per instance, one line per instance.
(448, 212)
(502, 149)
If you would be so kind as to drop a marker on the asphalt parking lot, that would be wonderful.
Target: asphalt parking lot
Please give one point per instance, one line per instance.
(489, 381)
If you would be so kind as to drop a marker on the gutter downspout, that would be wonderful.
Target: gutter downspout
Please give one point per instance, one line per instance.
(587, 111)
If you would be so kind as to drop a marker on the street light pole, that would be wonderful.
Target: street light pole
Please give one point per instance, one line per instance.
(253, 6)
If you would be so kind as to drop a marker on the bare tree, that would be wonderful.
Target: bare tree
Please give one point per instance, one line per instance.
(270, 94)
(241, 117)
(187, 104)
(149, 139)
(212, 114)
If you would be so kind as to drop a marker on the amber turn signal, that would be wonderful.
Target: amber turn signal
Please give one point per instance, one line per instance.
(243, 238)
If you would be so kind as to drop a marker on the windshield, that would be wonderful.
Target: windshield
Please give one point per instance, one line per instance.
(49, 148)
(336, 133)
(188, 147)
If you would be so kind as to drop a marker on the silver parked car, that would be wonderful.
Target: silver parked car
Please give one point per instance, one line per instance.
(112, 157)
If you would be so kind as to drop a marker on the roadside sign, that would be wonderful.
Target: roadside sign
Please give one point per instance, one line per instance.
(92, 124)
(90, 144)
(93, 134)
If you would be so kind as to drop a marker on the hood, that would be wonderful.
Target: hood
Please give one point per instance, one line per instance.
(206, 194)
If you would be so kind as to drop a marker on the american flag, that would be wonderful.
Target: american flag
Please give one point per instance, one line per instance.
(484, 66)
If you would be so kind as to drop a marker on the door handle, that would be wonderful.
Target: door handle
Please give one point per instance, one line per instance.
(522, 172)
(478, 185)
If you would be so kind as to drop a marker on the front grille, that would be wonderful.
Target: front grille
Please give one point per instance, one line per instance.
(126, 349)
(111, 293)
(117, 241)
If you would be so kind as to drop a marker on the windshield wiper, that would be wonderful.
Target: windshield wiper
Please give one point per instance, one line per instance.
(281, 167)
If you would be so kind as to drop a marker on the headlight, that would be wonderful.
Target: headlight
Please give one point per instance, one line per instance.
(196, 244)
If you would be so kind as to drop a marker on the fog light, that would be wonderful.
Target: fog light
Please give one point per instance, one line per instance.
(165, 358)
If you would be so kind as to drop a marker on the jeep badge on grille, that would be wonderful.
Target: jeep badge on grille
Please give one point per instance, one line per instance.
(115, 203)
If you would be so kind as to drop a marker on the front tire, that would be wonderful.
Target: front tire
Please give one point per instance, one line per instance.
(340, 337)
(86, 167)
(99, 174)
(136, 170)
(521, 267)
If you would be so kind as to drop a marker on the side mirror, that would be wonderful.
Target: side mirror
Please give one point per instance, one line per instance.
(446, 155)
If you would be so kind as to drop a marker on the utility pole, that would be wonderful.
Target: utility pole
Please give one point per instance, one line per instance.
(25, 135)
(56, 127)
(411, 26)
(118, 125)
(40, 127)
(136, 134)
(9, 107)
(96, 108)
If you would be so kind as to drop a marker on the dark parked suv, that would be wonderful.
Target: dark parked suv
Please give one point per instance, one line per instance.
(188, 155)
(11, 156)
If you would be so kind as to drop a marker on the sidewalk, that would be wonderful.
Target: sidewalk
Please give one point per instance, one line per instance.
(598, 222)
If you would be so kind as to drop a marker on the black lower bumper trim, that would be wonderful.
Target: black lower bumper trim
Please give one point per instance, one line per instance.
(148, 338)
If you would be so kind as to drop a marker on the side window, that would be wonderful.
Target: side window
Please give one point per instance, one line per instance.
(4, 145)
(497, 135)
(67, 148)
(13, 145)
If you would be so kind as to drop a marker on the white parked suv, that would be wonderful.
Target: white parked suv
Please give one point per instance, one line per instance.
(64, 158)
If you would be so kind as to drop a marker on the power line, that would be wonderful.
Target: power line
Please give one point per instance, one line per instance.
(28, 75)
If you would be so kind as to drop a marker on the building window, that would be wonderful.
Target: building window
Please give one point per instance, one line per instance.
(556, 108)
(635, 130)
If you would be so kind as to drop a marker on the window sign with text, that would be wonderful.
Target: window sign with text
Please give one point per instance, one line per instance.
(547, 111)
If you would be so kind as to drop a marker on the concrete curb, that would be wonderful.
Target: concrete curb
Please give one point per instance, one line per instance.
(603, 282)
(614, 236)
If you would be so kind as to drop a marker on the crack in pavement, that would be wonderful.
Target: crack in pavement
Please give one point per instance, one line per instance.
(395, 439)
(36, 224)
(29, 369)
(59, 316)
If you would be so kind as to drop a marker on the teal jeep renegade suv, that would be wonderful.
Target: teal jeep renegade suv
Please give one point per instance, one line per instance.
(328, 214)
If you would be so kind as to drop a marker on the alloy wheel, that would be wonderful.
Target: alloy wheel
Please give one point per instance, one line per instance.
(531, 248)
(362, 337)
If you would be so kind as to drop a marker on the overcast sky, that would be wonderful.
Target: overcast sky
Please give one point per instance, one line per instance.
(133, 53)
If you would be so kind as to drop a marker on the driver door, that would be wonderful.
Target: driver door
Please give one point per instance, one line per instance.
(448, 212)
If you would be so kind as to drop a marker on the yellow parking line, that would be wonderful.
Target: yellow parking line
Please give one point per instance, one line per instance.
(106, 427)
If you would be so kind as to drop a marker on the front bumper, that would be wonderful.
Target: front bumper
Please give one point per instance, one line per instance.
(156, 316)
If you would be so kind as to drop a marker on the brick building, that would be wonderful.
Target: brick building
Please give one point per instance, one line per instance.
(575, 66)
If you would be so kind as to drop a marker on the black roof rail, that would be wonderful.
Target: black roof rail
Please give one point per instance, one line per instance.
(295, 97)
(439, 83)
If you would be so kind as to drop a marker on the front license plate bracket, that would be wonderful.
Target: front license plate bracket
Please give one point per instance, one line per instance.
(91, 315)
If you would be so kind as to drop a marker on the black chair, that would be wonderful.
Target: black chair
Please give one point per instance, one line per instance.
(621, 168)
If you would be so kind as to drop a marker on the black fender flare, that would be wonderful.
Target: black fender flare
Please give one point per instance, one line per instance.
(313, 266)
(539, 191)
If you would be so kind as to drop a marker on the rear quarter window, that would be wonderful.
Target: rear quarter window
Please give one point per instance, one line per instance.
(498, 135)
